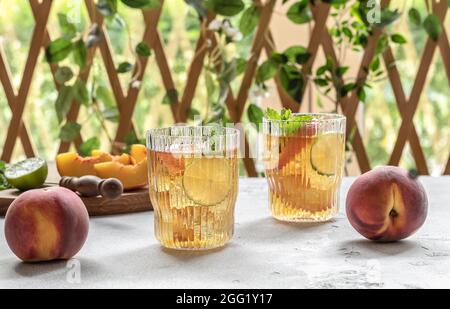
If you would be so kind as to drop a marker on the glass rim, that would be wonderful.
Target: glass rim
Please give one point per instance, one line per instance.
(163, 132)
(328, 117)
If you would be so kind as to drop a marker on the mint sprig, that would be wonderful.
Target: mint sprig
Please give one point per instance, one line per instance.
(290, 123)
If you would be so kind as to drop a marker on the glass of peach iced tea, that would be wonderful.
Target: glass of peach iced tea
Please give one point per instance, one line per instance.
(304, 157)
(193, 181)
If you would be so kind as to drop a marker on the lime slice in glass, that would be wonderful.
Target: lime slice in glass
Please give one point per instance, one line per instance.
(27, 174)
(207, 181)
(326, 152)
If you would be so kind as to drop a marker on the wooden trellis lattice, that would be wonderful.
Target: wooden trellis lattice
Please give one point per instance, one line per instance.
(263, 41)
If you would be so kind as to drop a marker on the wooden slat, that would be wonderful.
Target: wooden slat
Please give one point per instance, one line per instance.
(151, 18)
(401, 101)
(252, 64)
(166, 76)
(444, 47)
(5, 78)
(73, 113)
(230, 103)
(320, 12)
(286, 100)
(369, 52)
(408, 116)
(357, 141)
(19, 106)
(194, 72)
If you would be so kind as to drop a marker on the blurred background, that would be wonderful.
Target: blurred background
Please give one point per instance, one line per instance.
(378, 117)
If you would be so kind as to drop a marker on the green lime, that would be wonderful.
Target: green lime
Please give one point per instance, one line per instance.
(27, 174)
(326, 154)
(208, 181)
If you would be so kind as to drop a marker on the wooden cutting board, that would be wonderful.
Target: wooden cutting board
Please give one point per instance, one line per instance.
(129, 202)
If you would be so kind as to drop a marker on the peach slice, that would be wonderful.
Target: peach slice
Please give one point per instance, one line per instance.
(174, 165)
(139, 152)
(72, 164)
(123, 158)
(131, 176)
(295, 143)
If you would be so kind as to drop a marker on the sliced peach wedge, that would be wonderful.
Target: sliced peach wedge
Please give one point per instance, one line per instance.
(132, 175)
(138, 152)
(130, 169)
(72, 164)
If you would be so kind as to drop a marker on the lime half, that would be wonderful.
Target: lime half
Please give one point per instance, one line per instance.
(27, 174)
(207, 181)
(326, 152)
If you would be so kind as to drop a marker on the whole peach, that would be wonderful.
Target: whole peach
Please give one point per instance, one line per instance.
(387, 204)
(46, 224)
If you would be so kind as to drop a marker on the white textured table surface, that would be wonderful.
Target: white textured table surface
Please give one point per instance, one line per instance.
(121, 251)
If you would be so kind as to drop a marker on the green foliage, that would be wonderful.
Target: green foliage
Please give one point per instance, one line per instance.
(80, 53)
(63, 74)
(249, 20)
(142, 4)
(124, 67)
(255, 115)
(432, 26)
(297, 54)
(70, 131)
(193, 114)
(64, 102)
(89, 145)
(143, 50)
(414, 17)
(398, 38)
(225, 7)
(171, 97)
(286, 65)
(68, 28)
(300, 12)
(80, 92)
(267, 70)
(58, 50)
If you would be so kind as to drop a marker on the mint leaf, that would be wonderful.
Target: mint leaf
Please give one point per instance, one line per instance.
(289, 122)
(272, 114)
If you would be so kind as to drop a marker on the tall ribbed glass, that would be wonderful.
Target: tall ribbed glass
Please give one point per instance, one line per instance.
(304, 162)
(193, 183)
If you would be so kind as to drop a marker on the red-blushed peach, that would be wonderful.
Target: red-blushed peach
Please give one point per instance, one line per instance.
(387, 204)
(46, 224)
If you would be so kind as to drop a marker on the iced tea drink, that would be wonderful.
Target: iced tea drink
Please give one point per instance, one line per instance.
(304, 162)
(193, 183)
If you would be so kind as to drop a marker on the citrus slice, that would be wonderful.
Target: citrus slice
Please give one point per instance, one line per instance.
(207, 181)
(325, 153)
(27, 174)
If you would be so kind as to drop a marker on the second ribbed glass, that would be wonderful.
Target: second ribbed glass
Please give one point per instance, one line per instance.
(304, 162)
